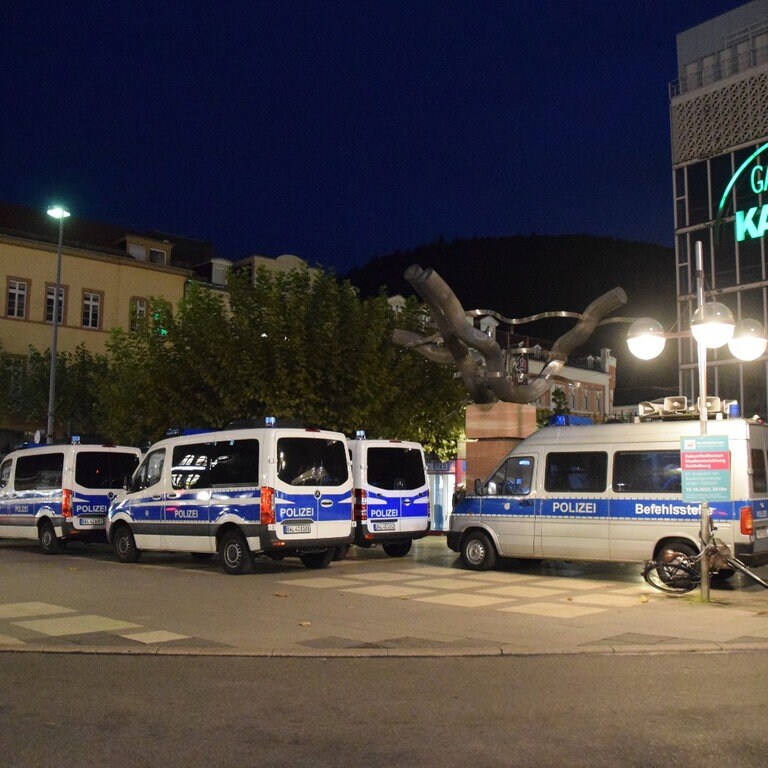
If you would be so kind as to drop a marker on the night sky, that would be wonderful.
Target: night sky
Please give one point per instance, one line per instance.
(338, 131)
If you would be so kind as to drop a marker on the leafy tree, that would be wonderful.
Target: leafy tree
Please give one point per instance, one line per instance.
(301, 346)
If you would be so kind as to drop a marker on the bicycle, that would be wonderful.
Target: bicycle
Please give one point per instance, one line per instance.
(677, 572)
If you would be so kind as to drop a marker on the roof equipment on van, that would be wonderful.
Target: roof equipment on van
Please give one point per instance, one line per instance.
(270, 421)
(75, 439)
(360, 434)
(672, 408)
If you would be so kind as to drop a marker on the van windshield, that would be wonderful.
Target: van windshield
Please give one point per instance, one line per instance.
(395, 469)
(99, 469)
(311, 461)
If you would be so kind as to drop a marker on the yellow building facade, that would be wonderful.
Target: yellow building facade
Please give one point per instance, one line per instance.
(99, 292)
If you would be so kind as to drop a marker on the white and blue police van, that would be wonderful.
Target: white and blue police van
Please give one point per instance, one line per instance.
(241, 492)
(391, 493)
(61, 493)
(613, 492)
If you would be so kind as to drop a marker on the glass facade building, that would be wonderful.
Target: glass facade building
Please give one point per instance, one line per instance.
(719, 132)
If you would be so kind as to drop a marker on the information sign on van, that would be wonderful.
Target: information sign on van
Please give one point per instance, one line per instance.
(705, 462)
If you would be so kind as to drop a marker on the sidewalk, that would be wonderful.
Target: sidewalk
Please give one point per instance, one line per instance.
(424, 604)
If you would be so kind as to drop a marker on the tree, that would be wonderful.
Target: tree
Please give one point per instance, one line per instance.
(300, 345)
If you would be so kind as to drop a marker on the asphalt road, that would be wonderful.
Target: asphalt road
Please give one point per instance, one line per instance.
(588, 710)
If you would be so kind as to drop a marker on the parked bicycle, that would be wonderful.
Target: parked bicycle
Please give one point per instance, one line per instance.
(677, 572)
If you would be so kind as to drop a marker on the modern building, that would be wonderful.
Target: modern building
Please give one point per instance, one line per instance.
(719, 132)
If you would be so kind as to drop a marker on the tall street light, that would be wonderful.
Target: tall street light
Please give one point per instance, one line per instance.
(712, 326)
(60, 213)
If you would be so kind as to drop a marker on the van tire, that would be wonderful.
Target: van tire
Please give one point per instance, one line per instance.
(477, 552)
(341, 552)
(397, 548)
(46, 535)
(317, 560)
(236, 557)
(125, 545)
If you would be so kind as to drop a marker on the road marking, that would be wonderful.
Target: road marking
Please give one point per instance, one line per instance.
(22, 610)
(321, 582)
(383, 576)
(75, 625)
(446, 584)
(386, 590)
(7, 640)
(522, 590)
(613, 601)
(552, 610)
(463, 600)
(158, 636)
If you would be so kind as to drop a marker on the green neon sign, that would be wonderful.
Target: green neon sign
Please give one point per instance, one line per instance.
(753, 222)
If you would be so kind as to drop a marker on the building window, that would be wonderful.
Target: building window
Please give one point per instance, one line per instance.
(50, 291)
(139, 309)
(157, 255)
(91, 309)
(17, 299)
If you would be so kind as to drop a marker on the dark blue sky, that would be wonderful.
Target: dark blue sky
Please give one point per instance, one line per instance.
(343, 130)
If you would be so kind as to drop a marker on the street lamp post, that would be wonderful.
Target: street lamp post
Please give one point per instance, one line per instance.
(60, 213)
(712, 325)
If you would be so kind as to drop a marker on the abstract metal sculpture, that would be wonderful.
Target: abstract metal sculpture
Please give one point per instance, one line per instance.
(481, 362)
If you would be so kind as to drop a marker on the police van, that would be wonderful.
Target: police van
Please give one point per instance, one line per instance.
(61, 493)
(391, 493)
(274, 491)
(612, 492)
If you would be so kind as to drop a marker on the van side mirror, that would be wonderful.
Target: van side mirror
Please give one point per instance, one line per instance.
(478, 487)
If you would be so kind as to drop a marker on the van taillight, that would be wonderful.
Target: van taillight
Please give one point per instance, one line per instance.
(747, 521)
(361, 505)
(66, 503)
(267, 516)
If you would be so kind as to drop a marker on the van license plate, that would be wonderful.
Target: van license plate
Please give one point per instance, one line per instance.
(297, 528)
(95, 522)
(383, 526)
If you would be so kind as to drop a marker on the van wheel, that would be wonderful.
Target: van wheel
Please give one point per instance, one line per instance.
(236, 557)
(125, 545)
(397, 548)
(46, 535)
(317, 560)
(477, 552)
(670, 559)
(341, 552)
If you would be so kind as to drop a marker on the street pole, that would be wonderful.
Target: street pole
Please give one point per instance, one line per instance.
(59, 213)
(703, 417)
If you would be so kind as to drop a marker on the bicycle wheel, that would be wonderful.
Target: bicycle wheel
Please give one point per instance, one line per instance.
(674, 576)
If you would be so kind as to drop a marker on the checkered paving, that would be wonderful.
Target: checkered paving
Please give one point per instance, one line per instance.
(45, 623)
(541, 596)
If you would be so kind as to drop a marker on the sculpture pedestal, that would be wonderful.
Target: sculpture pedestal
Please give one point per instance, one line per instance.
(492, 432)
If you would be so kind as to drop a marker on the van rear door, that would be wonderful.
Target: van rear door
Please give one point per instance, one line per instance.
(313, 487)
(396, 485)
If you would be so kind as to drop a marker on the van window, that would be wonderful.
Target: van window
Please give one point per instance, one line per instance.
(759, 484)
(231, 462)
(576, 471)
(393, 469)
(100, 469)
(42, 471)
(311, 461)
(647, 471)
(150, 471)
(5, 473)
(512, 478)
